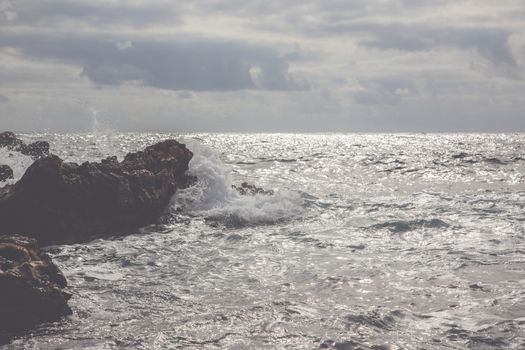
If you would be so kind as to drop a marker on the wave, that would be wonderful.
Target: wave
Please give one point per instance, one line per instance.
(17, 162)
(213, 197)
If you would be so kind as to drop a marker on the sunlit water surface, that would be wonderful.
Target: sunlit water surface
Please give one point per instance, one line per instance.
(370, 242)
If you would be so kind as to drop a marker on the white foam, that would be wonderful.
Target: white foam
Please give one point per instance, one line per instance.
(18, 163)
(213, 197)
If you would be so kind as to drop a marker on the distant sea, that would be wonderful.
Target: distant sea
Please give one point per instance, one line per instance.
(370, 241)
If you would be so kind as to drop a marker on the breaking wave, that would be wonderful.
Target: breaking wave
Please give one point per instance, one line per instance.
(213, 197)
(17, 162)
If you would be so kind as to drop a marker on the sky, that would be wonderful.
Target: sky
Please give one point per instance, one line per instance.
(262, 65)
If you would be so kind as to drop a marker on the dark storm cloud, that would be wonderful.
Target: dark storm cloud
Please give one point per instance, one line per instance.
(174, 64)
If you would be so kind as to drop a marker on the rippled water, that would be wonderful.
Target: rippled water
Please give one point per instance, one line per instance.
(370, 242)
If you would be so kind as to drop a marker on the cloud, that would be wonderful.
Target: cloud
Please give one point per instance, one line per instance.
(517, 47)
(7, 13)
(124, 45)
(105, 13)
(264, 64)
(173, 64)
(491, 44)
(405, 25)
(4, 99)
(384, 91)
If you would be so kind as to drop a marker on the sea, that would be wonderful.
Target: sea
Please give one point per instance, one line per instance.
(370, 241)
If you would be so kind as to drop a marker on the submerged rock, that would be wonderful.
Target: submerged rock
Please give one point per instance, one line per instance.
(36, 150)
(246, 188)
(31, 287)
(5, 172)
(58, 202)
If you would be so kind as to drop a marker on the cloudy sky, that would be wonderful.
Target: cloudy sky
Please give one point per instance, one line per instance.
(262, 65)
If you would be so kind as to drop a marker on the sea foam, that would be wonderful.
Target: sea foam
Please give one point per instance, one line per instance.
(17, 161)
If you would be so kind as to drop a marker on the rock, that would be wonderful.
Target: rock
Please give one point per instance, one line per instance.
(9, 140)
(58, 202)
(245, 189)
(31, 287)
(5, 172)
(36, 149)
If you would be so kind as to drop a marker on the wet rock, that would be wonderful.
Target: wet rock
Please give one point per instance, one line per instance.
(494, 160)
(36, 150)
(248, 189)
(58, 202)
(31, 287)
(460, 155)
(5, 172)
(9, 140)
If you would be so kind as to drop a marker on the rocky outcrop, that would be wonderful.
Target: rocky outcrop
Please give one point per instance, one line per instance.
(9, 140)
(5, 172)
(31, 287)
(36, 150)
(58, 202)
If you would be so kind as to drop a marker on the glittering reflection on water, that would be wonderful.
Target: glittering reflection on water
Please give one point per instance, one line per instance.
(391, 242)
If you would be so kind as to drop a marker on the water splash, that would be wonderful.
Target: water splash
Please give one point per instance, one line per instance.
(17, 161)
(102, 135)
(213, 197)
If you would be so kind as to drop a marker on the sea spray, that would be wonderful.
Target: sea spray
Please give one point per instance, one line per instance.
(102, 135)
(17, 161)
(213, 197)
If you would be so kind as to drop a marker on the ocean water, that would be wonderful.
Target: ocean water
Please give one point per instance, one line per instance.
(371, 241)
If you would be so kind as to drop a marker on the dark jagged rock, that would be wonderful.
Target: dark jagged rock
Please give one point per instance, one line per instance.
(8, 139)
(58, 202)
(5, 172)
(31, 287)
(245, 188)
(36, 150)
